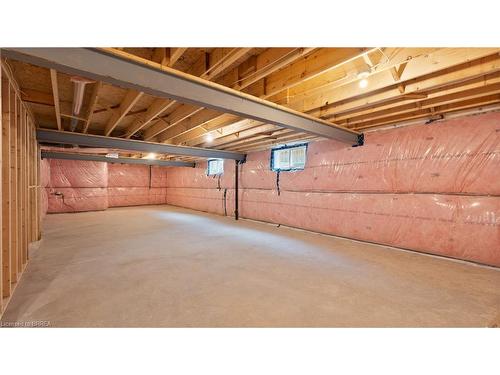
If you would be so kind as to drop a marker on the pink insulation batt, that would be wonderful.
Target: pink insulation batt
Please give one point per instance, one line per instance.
(433, 188)
(75, 185)
(132, 185)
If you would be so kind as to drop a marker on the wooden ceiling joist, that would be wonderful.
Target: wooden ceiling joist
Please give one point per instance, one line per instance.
(93, 103)
(218, 66)
(405, 86)
(265, 64)
(436, 110)
(126, 105)
(175, 54)
(225, 62)
(347, 102)
(159, 106)
(116, 68)
(55, 93)
(426, 103)
(297, 69)
(424, 65)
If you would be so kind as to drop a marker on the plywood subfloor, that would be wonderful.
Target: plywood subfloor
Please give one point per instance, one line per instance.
(163, 266)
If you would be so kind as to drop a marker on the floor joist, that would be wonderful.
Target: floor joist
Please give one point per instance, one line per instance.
(153, 79)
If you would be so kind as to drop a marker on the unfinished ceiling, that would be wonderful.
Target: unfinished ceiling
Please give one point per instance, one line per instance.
(355, 88)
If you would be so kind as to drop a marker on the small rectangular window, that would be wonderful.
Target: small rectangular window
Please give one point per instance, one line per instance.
(288, 158)
(215, 167)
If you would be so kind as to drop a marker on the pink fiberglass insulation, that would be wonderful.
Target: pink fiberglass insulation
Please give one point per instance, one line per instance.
(78, 174)
(128, 175)
(133, 185)
(44, 202)
(77, 199)
(75, 186)
(456, 156)
(44, 173)
(432, 188)
(136, 196)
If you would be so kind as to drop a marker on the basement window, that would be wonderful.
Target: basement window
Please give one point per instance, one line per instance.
(289, 158)
(215, 167)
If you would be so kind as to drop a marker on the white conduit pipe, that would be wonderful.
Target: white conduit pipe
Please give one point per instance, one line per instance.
(78, 94)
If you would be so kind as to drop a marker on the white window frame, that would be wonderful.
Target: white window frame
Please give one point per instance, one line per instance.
(219, 167)
(286, 151)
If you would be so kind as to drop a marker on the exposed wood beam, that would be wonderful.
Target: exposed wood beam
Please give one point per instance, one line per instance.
(37, 97)
(126, 105)
(162, 56)
(265, 64)
(255, 132)
(419, 65)
(176, 54)
(155, 109)
(384, 90)
(315, 65)
(265, 67)
(284, 136)
(300, 69)
(198, 130)
(93, 103)
(269, 137)
(445, 108)
(116, 67)
(426, 103)
(442, 93)
(186, 116)
(61, 137)
(236, 129)
(55, 94)
(225, 62)
(211, 73)
(413, 96)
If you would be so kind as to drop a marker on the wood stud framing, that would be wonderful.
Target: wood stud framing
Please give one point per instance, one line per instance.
(20, 186)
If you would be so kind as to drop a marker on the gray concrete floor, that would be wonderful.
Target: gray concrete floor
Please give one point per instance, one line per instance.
(162, 266)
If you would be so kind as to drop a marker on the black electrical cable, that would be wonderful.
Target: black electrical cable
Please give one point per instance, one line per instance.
(218, 183)
(59, 194)
(225, 206)
(278, 182)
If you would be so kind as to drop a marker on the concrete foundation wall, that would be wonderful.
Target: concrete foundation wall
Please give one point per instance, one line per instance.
(433, 188)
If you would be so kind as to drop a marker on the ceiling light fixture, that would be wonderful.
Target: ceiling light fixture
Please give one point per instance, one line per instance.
(151, 156)
(363, 83)
(362, 76)
(209, 137)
